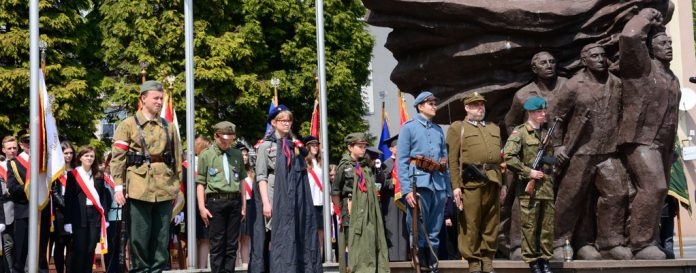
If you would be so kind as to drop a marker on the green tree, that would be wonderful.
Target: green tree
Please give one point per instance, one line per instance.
(239, 46)
(70, 80)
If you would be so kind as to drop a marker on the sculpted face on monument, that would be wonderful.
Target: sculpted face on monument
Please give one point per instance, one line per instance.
(544, 65)
(595, 59)
(662, 47)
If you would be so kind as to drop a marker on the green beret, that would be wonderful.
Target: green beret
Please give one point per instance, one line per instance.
(473, 97)
(534, 103)
(225, 128)
(151, 85)
(354, 138)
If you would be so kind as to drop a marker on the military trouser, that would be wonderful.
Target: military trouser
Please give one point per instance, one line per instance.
(342, 242)
(575, 207)
(148, 228)
(478, 226)
(537, 229)
(432, 204)
(644, 162)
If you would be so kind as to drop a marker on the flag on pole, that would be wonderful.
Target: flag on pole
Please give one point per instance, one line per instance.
(678, 187)
(386, 153)
(314, 128)
(50, 152)
(169, 114)
(274, 102)
(399, 198)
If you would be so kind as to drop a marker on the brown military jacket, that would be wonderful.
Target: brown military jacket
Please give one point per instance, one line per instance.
(153, 183)
(475, 144)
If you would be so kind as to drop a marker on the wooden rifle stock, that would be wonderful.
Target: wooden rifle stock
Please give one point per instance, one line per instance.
(414, 235)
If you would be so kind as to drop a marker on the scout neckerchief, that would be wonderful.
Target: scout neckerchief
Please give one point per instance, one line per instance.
(286, 151)
(247, 186)
(97, 205)
(361, 178)
(315, 177)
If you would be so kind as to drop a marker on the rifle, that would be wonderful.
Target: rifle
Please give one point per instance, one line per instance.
(122, 230)
(539, 159)
(414, 235)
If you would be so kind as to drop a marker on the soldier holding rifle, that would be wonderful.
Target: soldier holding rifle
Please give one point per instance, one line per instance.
(145, 158)
(522, 149)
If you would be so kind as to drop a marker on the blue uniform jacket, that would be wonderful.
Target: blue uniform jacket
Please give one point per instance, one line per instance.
(420, 136)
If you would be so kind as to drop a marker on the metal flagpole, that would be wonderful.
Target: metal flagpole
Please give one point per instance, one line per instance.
(33, 255)
(321, 64)
(190, 150)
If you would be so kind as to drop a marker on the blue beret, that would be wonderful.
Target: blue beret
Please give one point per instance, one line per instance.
(310, 139)
(534, 103)
(422, 97)
(276, 111)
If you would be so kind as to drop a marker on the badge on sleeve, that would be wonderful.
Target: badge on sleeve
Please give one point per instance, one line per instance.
(213, 171)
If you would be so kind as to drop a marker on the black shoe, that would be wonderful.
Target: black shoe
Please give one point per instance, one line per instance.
(534, 266)
(544, 266)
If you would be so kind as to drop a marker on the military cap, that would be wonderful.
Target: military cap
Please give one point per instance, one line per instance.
(423, 97)
(276, 110)
(310, 139)
(534, 103)
(24, 135)
(391, 142)
(473, 97)
(354, 138)
(150, 85)
(240, 146)
(225, 128)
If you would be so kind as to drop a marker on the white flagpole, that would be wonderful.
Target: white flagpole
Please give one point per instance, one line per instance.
(190, 150)
(33, 255)
(321, 64)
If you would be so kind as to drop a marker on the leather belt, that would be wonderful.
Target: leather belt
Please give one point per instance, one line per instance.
(487, 166)
(223, 196)
(156, 158)
(428, 164)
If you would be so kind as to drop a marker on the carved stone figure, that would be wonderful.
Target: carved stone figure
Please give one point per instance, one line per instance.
(649, 123)
(589, 104)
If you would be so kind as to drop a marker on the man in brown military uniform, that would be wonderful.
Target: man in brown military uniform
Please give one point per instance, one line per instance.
(474, 156)
(589, 104)
(649, 123)
(145, 160)
(545, 85)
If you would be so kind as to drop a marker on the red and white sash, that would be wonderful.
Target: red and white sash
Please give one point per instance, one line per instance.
(248, 185)
(315, 178)
(3, 170)
(97, 205)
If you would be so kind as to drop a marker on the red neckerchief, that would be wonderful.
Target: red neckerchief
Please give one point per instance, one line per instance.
(362, 184)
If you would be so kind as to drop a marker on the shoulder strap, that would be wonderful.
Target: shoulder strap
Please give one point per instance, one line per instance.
(461, 141)
(142, 139)
(170, 146)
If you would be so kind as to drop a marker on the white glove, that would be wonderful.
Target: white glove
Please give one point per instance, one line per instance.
(378, 163)
(68, 228)
(107, 224)
(2, 227)
(179, 218)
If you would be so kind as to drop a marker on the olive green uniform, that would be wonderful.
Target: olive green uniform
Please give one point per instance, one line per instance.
(537, 213)
(210, 166)
(151, 187)
(477, 144)
(364, 233)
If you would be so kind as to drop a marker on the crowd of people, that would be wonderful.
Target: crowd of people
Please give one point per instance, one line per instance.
(438, 196)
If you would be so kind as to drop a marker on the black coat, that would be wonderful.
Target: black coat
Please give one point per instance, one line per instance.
(75, 200)
(16, 189)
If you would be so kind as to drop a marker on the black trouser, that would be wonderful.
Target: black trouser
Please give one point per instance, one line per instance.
(60, 242)
(223, 230)
(111, 257)
(22, 242)
(84, 241)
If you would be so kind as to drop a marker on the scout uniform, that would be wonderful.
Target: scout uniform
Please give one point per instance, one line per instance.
(220, 172)
(537, 213)
(362, 231)
(151, 178)
(422, 143)
(476, 145)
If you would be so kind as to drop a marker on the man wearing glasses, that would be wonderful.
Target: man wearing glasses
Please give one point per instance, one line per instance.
(423, 172)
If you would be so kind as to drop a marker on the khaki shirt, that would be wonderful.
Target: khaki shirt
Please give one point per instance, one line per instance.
(153, 183)
(519, 154)
(473, 144)
(211, 172)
